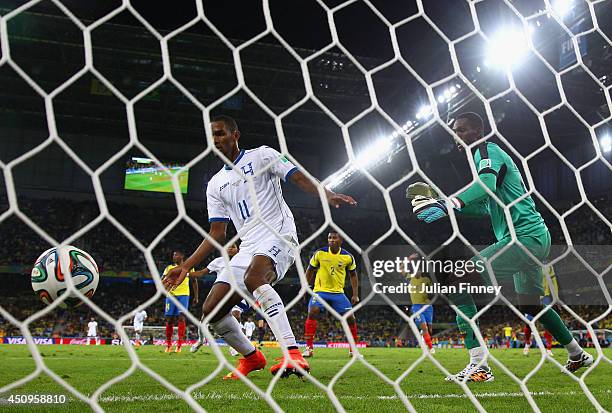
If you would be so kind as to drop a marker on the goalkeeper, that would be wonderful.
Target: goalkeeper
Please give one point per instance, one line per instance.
(498, 172)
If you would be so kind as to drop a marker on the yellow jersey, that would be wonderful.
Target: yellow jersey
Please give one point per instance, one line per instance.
(331, 269)
(553, 278)
(416, 286)
(507, 331)
(182, 288)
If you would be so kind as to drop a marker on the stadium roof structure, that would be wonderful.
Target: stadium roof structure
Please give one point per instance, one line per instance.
(49, 48)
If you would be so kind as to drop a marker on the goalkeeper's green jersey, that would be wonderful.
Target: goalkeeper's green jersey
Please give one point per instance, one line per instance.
(499, 173)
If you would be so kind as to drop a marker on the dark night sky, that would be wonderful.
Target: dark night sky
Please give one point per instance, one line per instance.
(303, 24)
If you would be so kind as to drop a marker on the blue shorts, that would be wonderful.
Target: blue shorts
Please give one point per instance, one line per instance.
(171, 309)
(338, 301)
(426, 316)
(242, 306)
(547, 300)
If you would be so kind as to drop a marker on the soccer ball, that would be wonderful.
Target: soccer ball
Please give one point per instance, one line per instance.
(48, 275)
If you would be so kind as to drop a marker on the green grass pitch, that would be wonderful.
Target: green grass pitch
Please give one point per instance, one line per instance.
(358, 390)
(154, 182)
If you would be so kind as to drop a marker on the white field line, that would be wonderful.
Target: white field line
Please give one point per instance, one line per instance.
(254, 397)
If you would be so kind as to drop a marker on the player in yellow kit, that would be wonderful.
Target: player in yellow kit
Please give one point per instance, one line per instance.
(171, 311)
(331, 264)
(507, 335)
(420, 300)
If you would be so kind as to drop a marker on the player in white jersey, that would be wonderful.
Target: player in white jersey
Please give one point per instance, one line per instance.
(139, 319)
(92, 329)
(266, 227)
(249, 328)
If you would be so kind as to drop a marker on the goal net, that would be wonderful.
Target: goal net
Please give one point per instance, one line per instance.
(538, 72)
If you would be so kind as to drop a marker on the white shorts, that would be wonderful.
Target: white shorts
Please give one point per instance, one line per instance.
(274, 248)
(138, 328)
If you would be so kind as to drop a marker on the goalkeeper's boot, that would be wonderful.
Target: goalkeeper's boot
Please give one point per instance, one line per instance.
(196, 346)
(473, 373)
(584, 360)
(256, 361)
(295, 359)
(308, 352)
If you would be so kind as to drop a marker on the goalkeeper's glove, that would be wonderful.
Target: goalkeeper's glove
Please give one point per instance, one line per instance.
(428, 209)
(420, 188)
(425, 203)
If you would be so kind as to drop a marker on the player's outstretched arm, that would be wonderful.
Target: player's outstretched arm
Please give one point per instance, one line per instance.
(354, 286)
(176, 275)
(196, 290)
(428, 207)
(310, 272)
(199, 273)
(307, 185)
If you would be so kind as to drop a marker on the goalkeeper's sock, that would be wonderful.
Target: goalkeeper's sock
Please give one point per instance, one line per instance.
(169, 331)
(353, 328)
(272, 305)
(478, 355)
(574, 350)
(465, 304)
(229, 328)
(469, 310)
(427, 339)
(310, 328)
(181, 333)
(553, 323)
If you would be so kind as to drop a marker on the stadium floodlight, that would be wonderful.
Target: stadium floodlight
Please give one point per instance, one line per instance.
(374, 152)
(561, 7)
(441, 99)
(424, 111)
(606, 143)
(506, 48)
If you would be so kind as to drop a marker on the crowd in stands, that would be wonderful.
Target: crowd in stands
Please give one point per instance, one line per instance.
(379, 326)
(113, 251)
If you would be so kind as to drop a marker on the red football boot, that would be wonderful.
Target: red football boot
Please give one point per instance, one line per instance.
(295, 359)
(256, 361)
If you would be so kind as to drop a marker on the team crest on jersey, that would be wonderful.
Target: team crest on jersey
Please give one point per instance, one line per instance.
(484, 163)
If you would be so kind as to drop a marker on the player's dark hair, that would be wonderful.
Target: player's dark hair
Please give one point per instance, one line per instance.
(335, 232)
(228, 121)
(474, 120)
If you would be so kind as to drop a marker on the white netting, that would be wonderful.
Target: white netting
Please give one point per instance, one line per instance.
(434, 119)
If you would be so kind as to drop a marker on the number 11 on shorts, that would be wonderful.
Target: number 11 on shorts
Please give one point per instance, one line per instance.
(244, 209)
